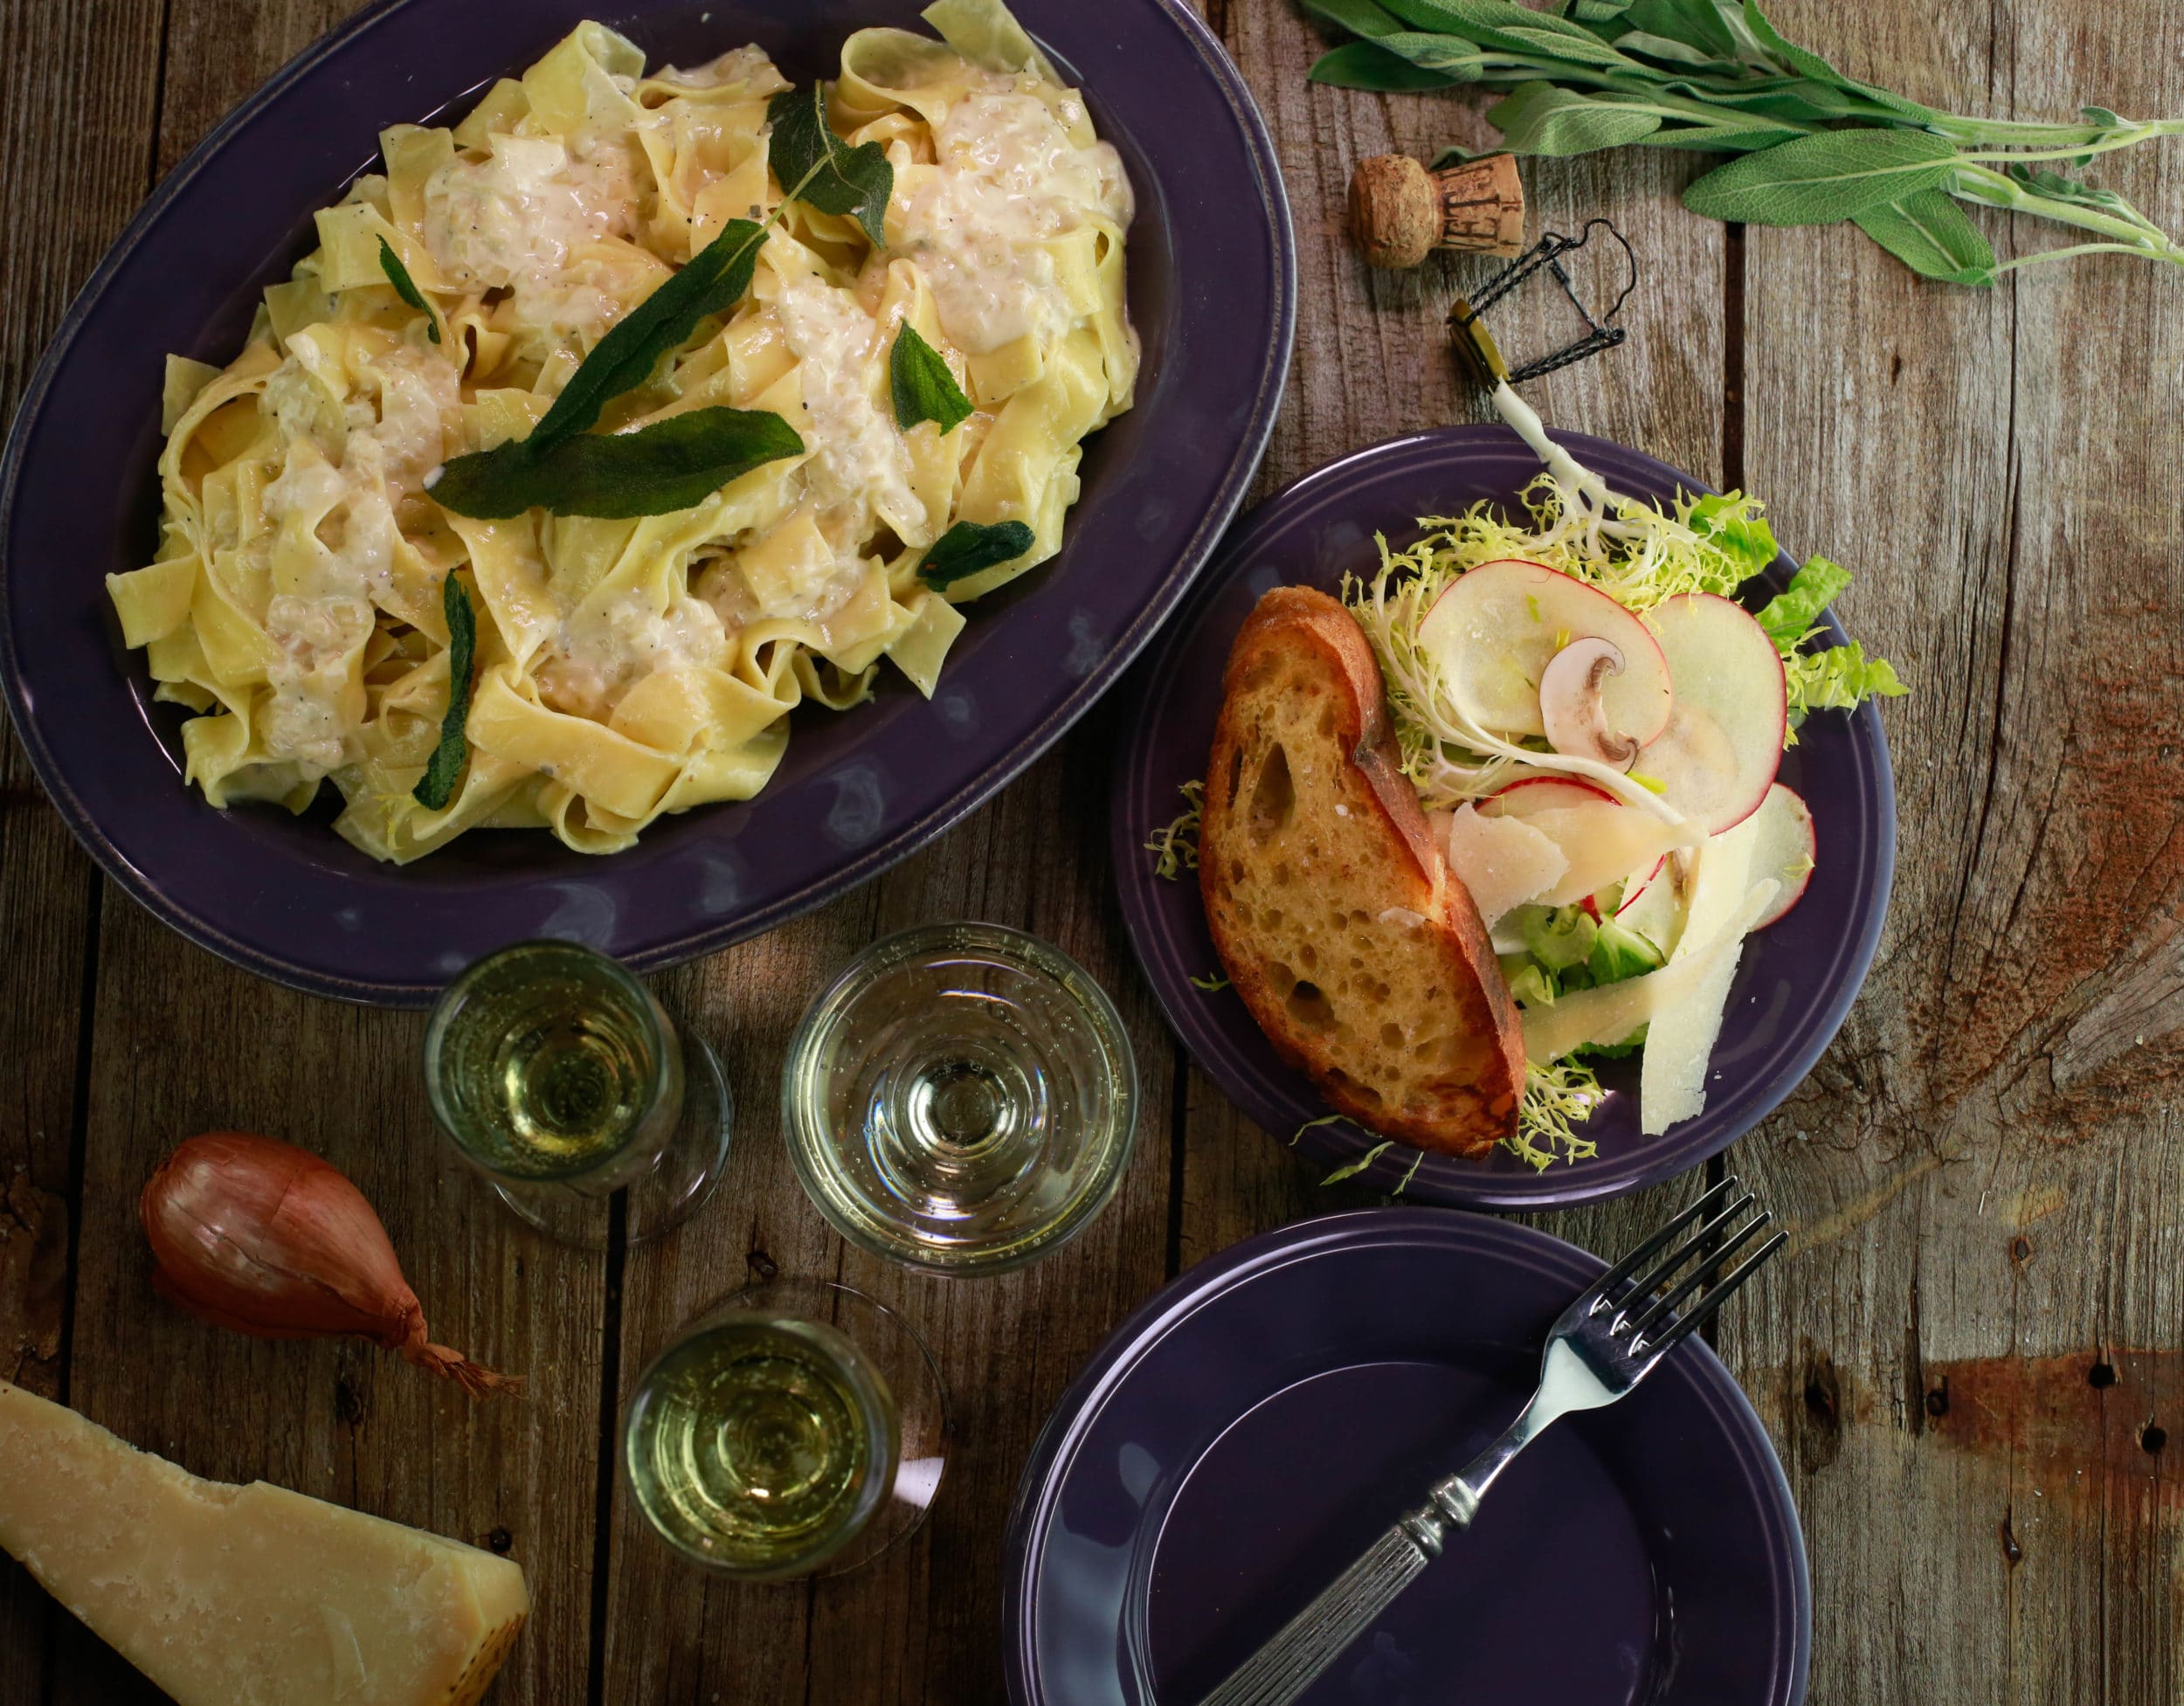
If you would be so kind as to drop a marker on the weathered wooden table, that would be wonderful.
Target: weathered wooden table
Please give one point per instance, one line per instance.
(1973, 1364)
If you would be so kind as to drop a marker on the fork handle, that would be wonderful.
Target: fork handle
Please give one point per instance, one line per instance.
(1311, 1641)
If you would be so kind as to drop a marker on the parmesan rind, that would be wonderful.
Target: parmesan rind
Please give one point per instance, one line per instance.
(246, 1595)
(1503, 862)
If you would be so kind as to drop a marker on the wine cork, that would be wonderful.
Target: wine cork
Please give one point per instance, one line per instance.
(1400, 212)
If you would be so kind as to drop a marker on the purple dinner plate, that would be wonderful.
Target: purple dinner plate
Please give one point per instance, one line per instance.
(1798, 976)
(1214, 292)
(1265, 1417)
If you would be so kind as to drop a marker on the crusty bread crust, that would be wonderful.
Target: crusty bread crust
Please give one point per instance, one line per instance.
(1357, 950)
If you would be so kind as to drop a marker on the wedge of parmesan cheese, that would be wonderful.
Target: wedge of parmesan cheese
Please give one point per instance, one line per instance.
(246, 1595)
(1503, 861)
(1613, 1014)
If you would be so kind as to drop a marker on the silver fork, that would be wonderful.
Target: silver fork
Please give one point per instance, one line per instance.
(1603, 1345)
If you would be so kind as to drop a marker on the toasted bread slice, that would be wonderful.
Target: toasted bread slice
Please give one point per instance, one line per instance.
(1339, 922)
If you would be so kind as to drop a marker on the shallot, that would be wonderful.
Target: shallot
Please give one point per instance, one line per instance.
(266, 1238)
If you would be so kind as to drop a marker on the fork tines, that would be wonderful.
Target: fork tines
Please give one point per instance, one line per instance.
(1652, 1326)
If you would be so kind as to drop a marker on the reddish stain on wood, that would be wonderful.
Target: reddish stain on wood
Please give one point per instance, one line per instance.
(2079, 1424)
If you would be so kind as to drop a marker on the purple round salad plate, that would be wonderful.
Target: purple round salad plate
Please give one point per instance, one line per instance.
(1797, 979)
(1213, 291)
(1261, 1420)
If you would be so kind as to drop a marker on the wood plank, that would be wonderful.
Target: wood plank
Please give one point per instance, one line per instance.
(1371, 362)
(1962, 1362)
(66, 190)
(921, 1624)
(182, 1043)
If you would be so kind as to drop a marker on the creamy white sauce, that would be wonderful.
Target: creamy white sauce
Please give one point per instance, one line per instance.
(512, 221)
(385, 454)
(857, 454)
(1009, 177)
(599, 655)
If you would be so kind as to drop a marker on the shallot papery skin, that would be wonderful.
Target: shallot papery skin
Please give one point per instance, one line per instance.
(266, 1238)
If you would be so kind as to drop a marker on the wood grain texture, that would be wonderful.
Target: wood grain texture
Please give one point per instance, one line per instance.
(1985, 1168)
(65, 190)
(1973, 1367)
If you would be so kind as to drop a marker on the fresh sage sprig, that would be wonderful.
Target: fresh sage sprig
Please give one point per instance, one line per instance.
(970, 548)
(923, 386)
(1817, 146)
(437, 786)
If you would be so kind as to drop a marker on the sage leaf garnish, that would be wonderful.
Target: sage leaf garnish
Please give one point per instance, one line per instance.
(969, 547)
(437, 786)
(815, 166)
(405, 288)
(1818, 180)
(713, 281)
(673, 464)
(924, 388)
(1715, 75)
(652, 471)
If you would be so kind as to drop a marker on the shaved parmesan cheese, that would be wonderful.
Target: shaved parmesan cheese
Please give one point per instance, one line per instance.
(1719, 887)
(1672, 1077)
(1503, 861)
(1655, 911)
(1603, 843)
(1611, 1015)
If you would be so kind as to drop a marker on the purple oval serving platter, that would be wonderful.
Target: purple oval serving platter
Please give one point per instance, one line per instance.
(1213, 294)
(1798, 976)
(1268, 1415)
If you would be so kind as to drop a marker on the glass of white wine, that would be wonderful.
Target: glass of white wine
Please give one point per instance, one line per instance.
(799, 1428)
(557, 1076)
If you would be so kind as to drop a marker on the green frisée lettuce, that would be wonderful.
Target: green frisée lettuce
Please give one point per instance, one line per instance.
(1560, 1096)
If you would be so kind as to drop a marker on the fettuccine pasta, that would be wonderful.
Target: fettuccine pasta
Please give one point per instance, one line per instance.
(626, 668)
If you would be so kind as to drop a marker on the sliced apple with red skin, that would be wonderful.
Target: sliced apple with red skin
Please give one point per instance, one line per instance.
(1495, 628)
(1784, 850)
(1718, 757)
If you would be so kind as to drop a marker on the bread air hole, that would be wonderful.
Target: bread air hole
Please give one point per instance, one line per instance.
(1273, 796)
(1310, 1007)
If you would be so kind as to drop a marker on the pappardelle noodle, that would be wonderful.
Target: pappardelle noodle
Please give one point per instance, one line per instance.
(632, 663)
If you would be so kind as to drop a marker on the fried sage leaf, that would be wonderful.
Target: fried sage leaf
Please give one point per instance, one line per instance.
(815, 166)
(674, 464)
(970, 548)
(437, 786)
(924, 388)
